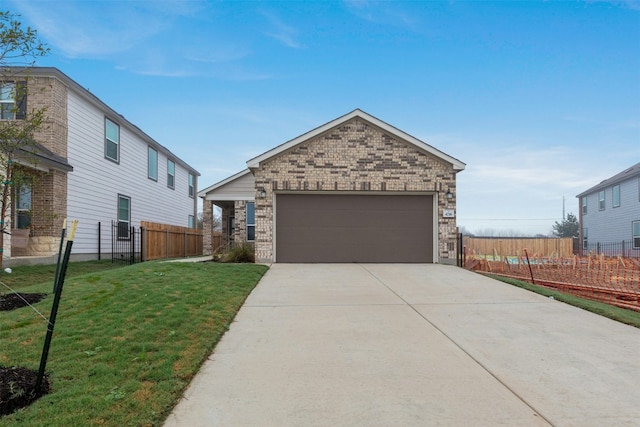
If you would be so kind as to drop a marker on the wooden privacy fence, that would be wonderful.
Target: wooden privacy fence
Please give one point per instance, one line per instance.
(170, 241)
(503, 247)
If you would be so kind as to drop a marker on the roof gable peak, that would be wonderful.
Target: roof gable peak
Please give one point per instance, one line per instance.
(357, 113)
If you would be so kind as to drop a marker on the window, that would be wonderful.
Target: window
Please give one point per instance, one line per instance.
(171, 174)
(601, 200)
(616, 196)
(192, 222)
(152, 164)
(635, 225)
(23, 205)
(251, 222)
(124, 216)
(584, 205)
(111, 140)
(7, 101)
(585, 239)
(192, 185)
(13, 100)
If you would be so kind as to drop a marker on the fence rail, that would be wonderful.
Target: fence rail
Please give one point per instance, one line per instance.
(489, 246)
(125, 243)
(170, 241)
(151, 241)
(624, 249)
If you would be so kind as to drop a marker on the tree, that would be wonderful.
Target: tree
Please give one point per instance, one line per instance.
(19, 49)
(567, 227)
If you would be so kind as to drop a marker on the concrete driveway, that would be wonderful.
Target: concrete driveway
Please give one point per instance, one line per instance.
(412, 345)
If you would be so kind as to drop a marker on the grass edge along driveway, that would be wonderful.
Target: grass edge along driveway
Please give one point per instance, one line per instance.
(127, 341)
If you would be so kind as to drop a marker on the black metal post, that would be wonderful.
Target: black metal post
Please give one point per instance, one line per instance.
(99, 241)
(54, 309)
(55, 279)
(529, 263)
(133, 246)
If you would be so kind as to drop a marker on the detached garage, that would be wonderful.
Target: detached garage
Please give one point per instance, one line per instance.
(353, 190)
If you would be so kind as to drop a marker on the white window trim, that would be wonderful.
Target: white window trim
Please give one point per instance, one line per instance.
(171, 185)
(602, 201)
(248, 224)
(613, 196)
(128, 221)
(192, 185)
(634, 236)
(11, 100)
(107, 140)
(149, 150)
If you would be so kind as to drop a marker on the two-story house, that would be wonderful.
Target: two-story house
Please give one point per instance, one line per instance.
(93, 165)
(609, 215)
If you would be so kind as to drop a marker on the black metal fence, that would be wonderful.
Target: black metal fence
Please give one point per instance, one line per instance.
(624, 249)
(126, 243)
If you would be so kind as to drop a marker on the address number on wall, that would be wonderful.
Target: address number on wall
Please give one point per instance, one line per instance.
(448, 213)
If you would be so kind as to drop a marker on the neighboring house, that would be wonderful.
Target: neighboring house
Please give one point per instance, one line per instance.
(355, 189)
(610, 215)
(93, 165)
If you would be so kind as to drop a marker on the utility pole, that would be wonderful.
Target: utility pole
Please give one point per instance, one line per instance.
(564, 218)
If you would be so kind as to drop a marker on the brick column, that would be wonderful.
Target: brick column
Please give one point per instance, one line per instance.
(207, 225)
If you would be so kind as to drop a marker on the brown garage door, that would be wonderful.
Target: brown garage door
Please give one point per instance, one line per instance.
(354, 228)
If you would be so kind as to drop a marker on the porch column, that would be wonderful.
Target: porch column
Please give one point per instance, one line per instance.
(207, 226)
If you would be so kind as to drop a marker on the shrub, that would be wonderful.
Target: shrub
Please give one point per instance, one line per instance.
(241, 252)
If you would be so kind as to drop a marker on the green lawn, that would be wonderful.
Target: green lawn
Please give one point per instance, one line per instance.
(622, 315)
(127, 340)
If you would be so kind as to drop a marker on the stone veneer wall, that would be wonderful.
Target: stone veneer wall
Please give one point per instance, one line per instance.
(354, 157)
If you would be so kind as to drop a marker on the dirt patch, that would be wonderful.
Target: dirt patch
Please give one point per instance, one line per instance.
(18, 300)
(17, 388)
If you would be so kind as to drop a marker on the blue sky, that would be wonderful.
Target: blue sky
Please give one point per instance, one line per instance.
(540, 99)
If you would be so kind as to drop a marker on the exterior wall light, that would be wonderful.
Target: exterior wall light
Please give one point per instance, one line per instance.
(449, 195)
(262, 193)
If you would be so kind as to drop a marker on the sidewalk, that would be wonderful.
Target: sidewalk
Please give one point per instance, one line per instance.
(412, 345)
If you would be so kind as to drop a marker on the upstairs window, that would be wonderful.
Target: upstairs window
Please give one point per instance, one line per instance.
(111, 140)
(192, 185)
(251, 222)
(171, 174)
(584, 205)
(13, 100)
(616, 196)
(601, 200)
(152, 164)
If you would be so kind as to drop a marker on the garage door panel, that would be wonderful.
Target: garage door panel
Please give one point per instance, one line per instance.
(354, 228)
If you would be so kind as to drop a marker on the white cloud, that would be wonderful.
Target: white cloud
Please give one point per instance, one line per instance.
(285, 34)
(140, 37)
(386, 13)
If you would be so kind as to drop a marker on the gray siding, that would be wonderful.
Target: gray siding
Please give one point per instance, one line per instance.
(613, 224)
(95, 182)
(242, 188)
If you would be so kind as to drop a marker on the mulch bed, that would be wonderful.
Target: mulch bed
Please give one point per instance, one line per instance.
(17, 384)
(17, 388)
(17, 300)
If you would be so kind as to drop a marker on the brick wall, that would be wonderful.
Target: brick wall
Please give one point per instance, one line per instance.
(49, 190)
(207, 227)
(355, 156)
